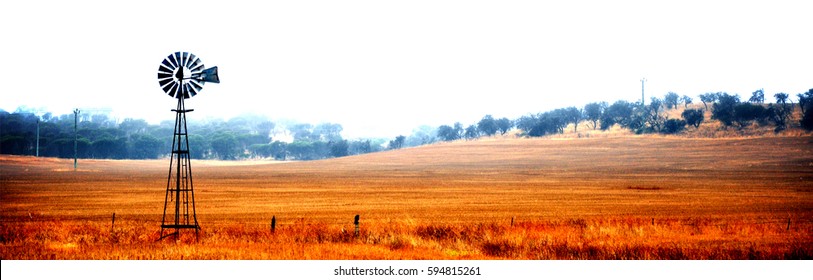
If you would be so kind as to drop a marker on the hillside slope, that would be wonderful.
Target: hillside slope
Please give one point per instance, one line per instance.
(589, 157)
(451, 182)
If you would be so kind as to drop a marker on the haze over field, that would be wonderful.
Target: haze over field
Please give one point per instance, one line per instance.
(382, 69)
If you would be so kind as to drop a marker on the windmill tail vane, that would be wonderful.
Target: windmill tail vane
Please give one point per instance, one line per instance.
(208, 76)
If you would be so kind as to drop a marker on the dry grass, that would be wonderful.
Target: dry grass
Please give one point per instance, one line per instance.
(588, 198)
(619, 238)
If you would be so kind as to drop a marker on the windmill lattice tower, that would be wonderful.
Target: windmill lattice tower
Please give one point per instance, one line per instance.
(181, 75)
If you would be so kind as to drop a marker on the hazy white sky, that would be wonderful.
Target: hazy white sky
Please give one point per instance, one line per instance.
(382, 68)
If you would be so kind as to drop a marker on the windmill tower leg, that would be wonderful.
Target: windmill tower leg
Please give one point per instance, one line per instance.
(180, 192)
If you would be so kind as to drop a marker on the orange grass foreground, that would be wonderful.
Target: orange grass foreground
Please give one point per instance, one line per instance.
(626, 197)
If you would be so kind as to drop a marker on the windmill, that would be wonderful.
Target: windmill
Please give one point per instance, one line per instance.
(181, 75)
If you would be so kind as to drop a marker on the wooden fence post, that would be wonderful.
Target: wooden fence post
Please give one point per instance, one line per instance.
(273, 223)
(356, 222)
(113, 236)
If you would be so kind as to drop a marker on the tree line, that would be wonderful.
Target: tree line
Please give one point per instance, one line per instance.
(100, 137)
(641, 118)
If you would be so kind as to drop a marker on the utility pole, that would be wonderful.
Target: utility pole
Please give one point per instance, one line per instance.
(643, 101)
(75, 136)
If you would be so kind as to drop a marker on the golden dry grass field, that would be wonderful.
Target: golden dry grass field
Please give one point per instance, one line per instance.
(624, 197)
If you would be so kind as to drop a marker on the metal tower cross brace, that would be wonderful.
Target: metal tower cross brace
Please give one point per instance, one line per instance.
(179, 184)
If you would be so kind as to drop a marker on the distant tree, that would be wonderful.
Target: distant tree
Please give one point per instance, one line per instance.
(693, 117)
(459, 128)
(361, 147)
(15, 145)
(776, 114)
(199, 146)
(746, 113)
(471, 132)
(557, 120)
(551, 122)
(301, 150)
(807, 115)
(109, 148)
(321, 149)
(781, 111)
(62, 148)
(525, 123)
(327, 132)
(544, 123)
(487, 126)
(133, 126)
(671, 100)
(447, 133)
(723, 110)
(260, 150)
(265, 128)
(593, 111)
(423, 135)
(707, 98)
(244, 140)
(619, 112)
(652, 116)
(303, 132)
(504, 125)
(279, 150)
(807, 119)
(225, 146)
(237, 125)
(686, 101)
(646, 118)
(757, 96)
(98, 120)
(573, 115)
(672, 126)
(804, 100)
(397, 143)
(84, 149)
(781, 98)
(531, 125)
(339, 148)
(144, 146)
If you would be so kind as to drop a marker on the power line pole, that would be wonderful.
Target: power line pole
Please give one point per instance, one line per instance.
(75, 136)
(643, 101)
